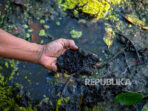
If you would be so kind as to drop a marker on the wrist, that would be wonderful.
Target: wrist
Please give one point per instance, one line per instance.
(37, 52)
(44, 59)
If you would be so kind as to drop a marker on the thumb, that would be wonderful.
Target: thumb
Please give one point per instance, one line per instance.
(51, 64)
(53, 67)
(70, 44)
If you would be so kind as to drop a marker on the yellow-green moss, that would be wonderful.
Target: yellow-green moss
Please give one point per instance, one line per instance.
(42, 33)
(57, 75)
(75, 34)
(59, 102)
(96, 8)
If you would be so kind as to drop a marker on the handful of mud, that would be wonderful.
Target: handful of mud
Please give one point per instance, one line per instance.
(77, 62)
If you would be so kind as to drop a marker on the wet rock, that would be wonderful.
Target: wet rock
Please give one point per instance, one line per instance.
(77, 62)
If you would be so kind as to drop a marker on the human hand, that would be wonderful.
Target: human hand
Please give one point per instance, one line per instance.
(51, 51)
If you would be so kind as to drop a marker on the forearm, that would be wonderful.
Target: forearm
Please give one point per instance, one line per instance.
(17, 48)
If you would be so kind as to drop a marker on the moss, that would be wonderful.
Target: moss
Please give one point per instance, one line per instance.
(42, 41)
(5, 92)
(42, 33)
(58, 23)
(82, 21)
(6, 64)
(57, 75)
(42, 21)
(46, 99)
(59, 102)
(46, 26)
(97, 8)
(114, 2)
(17, 85)
(13, 73)
(7, 101)
(2, 79)
(27, 35)
(29, 81)
(76, 13)
(75, 34)
(1, 67)
(25, 109)
(2, 19)
(29, 30)
(25, 77)
(25, 26)
(66, 75)
(13, 65)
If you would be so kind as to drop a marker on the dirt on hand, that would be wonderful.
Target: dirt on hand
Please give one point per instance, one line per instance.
(77, 62)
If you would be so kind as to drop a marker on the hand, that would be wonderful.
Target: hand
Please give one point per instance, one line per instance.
(54, 49)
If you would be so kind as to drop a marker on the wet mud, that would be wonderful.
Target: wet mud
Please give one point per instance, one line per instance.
(77, 62)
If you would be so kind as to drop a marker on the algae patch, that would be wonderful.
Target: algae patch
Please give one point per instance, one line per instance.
(42, 33)
(75, 34)
(96, 8)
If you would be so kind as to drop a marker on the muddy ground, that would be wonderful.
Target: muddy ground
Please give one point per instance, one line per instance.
(126, 58)
(77, 62)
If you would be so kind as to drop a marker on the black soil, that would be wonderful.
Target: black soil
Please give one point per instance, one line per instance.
(77, 62)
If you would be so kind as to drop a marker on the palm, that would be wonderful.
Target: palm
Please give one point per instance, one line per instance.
(53, 50)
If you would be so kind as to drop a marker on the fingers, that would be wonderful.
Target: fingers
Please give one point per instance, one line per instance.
(53, 67)
(69, 44)
(72, 45)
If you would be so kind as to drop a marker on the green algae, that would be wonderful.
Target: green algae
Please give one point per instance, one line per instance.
(1, 67)
(6, 64)
(42, 21)
(27, 35)
(2, 79)
(57, 75)
(96, 8)
(42, 33)
(66, 75)
(7, 99)
(58, 23)
(75, 34)
(26, 77)
(46, 26)
(25, 109)
(76, 13)
(1, 19)
(30, 30)
(42, 41)
(60, 101)
(5, 92)
(13, 64)
(25, 26)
